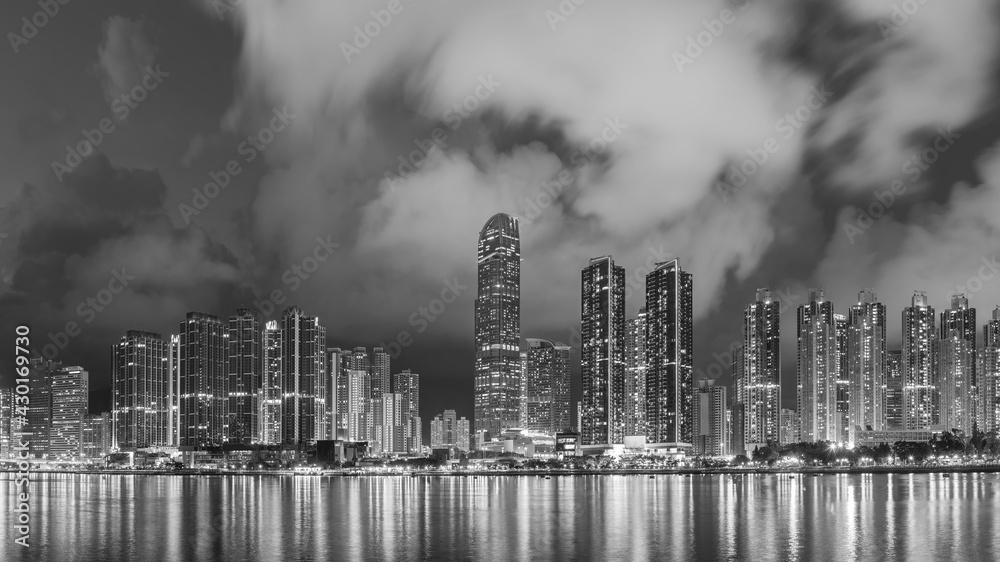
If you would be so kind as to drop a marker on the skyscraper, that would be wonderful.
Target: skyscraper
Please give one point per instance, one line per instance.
(6, 421)
(790, 427)
(173, 392)
(953, 363)
(270, 391)
(407, 385)
(710, 438)
(70, 400)
(546, 382)
(140, 375)
(866, 362)
(920, 386)
(448, 431)
(818, 366)
(894, 389)
(303, 365)
(635, 375)
(989, 374)
(40, 405)
(758, 383)
(359, 405)
(843, 388)
(498, 326)
(336, 393)
(381, 373)
(962, 319)
(669, 360)
(246, 363)
(204, 380)
(602, 361)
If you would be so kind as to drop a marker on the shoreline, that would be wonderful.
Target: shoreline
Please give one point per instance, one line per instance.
(789, 472)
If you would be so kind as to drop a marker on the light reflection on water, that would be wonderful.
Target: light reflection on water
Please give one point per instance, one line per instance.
(760, 517)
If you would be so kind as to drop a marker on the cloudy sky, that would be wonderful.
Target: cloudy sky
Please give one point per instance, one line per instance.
(355, 149)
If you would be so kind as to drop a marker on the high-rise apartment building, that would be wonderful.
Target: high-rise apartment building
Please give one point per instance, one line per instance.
(962, 319)
(758, 380)
(498, 326)
(790, 427)
(602, 356)
(381, 372)
(865, 355)
(70, 400)
(448, 431)
(894, 389)
(204, 376)
(546, 383)
(920, 385)
(303, 377)
(818, 366)
(173, 392)
(953, 363)
(669, 355)
(7, 425)
(359, 410)
(407, 385)
(140, 382)
(270, 391)
(989, 374)
(709, 416)
(635, 375)
(246, 373)
(40, 406)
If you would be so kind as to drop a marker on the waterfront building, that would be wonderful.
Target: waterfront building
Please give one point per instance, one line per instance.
(953, 363)
(546, 383)
(602, 356)
(920, 385)
(669, 356)
(990, 373)
(303, 376)
(270, 391)
(70, 400)
(246, 364)
(498, 326)
(894, 389)
(818, 366)
(709, 417)
(635, 375)
(790, 427)
(865, 363)
(204, 380)
(757, 379)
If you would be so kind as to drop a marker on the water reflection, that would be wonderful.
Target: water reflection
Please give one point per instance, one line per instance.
(762, 517)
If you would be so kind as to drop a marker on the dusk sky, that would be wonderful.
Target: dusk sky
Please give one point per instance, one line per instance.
(379, 158)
